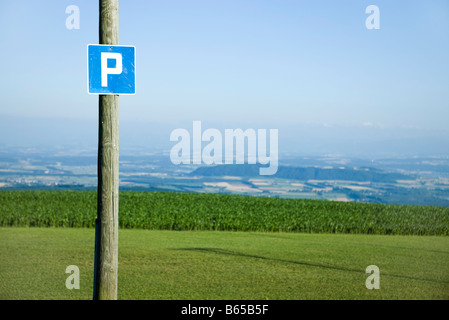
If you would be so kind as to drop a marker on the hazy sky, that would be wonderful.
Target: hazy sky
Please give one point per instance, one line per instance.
(300, 66)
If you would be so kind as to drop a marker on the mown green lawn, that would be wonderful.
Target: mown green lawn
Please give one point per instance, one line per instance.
(226, 265)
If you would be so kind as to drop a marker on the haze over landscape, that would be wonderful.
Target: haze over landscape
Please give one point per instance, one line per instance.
(310, 69)
(333, 88)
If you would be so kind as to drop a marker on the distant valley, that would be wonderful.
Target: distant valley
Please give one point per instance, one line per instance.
(413, 180)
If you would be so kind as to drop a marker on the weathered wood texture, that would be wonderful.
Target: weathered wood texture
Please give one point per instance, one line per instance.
(106, 231)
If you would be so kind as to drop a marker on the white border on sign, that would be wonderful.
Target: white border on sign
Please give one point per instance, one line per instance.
(112, 94)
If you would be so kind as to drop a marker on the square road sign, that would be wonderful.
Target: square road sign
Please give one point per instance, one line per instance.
(111, 69)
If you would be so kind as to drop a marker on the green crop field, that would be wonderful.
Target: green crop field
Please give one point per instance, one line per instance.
(219, 212)
(210, 246)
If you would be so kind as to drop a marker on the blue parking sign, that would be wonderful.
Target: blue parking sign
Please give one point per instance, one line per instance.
(111, 69)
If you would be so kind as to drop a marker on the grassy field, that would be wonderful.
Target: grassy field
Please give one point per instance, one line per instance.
(213, 246)
(226, 265)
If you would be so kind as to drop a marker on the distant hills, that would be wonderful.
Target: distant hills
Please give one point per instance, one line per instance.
(303, 173)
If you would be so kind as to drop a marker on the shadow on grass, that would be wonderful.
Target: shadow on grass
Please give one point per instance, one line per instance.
(302, 263)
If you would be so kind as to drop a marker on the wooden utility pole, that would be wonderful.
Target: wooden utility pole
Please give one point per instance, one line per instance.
(106, 225)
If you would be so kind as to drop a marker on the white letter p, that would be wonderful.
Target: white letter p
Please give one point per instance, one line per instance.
(104, 66)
